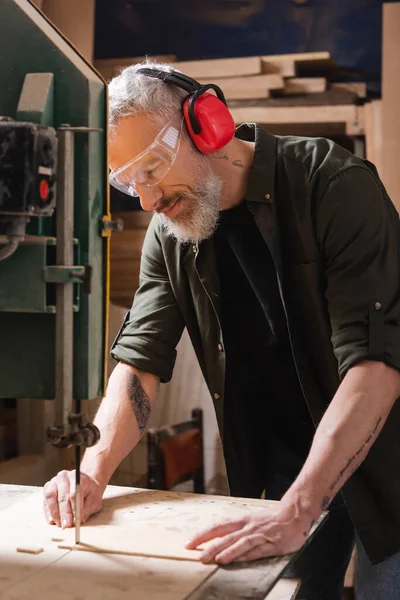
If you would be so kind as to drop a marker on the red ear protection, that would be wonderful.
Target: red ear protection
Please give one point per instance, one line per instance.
(208, 120)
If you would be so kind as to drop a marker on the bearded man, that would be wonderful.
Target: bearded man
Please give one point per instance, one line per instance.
(281, 257)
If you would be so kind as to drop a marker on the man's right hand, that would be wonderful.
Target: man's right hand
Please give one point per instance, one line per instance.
(59, 498)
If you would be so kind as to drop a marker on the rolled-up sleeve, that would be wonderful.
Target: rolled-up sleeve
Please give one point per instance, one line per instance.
(359, 235)
(152, 328)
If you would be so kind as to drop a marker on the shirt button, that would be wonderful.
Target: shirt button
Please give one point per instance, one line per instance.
(216, 396)
(220, 347)
(194, 248)
(267, 196)
(378, 305)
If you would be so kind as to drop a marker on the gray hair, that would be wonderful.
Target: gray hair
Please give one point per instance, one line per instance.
(132, 93)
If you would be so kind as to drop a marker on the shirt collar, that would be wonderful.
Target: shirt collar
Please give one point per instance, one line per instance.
(260, 187)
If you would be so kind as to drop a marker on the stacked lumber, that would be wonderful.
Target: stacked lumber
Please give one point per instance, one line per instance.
(288, 93)
(288, 90)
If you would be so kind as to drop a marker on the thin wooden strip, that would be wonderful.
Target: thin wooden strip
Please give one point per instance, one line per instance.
(30, 549)
(321, 56)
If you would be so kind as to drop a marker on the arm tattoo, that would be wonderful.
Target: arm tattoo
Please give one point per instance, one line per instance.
(356, 457)
(140, 402)
(325, 503)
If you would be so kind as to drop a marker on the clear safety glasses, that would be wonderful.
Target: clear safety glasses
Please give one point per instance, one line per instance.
(153, 164)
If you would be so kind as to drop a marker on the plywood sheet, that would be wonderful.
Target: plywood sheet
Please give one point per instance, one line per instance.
(156, 524)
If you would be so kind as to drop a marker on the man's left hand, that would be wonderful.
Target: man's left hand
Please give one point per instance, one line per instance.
(263, 533)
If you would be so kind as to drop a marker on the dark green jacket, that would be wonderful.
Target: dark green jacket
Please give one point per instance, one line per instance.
(335, 238)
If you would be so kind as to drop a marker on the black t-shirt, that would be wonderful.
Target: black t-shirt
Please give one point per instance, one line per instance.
(262, 394)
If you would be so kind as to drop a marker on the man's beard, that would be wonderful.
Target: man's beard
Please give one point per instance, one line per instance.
(200, 220)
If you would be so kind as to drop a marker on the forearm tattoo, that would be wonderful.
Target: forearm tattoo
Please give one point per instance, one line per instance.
(357, 458)
(140, 402)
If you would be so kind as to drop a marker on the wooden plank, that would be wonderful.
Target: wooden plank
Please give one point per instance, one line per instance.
(390, 100)
(257, 86)
(289, 65)
(255, 82)
(221, 67)
(322, 57)
(305, 85)
(175, 517)
(373, 133)
(245, 94)
(300, 114)
(358, 88)
(329, 97)
(285, 589)
(285, 68)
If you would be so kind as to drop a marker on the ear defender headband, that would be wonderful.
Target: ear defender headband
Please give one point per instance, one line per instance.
(207, 117)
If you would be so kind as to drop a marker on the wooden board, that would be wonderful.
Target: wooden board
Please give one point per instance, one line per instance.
(304, 85)
(322, 57)
(289, 65)
(221, 67)
(256, 86)
(300, 114)
(358, 88)
(328, 98)
(390, 100)
(123, 525)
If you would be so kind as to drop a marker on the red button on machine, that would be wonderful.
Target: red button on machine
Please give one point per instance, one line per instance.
(44, 189)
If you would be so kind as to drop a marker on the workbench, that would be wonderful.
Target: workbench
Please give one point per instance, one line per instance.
(66, 574)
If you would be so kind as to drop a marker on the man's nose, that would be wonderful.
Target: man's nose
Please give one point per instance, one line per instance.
(149, 196)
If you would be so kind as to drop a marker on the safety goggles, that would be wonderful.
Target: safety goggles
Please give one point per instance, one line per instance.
(154, 163)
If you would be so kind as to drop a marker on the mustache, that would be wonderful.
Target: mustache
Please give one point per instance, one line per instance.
(170, 200)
